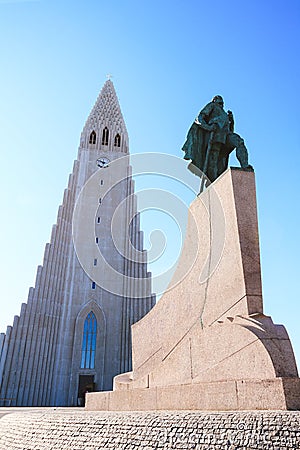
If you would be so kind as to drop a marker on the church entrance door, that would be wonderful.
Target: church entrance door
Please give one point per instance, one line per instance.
(85, 384)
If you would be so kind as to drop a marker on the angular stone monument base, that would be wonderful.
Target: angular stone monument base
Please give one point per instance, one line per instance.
(207, 344)
(242, 395)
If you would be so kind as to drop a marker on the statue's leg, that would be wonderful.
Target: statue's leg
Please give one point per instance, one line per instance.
(235, 141)
(212, 169)
(223, 159)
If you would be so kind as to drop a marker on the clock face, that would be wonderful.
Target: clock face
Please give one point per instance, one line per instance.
(103, 162)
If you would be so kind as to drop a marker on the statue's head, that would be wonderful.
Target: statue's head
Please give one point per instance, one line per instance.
(218, 99)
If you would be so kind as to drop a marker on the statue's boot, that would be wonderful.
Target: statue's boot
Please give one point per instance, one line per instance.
(242, 156)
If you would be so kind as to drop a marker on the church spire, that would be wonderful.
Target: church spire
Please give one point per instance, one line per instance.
(105, 128)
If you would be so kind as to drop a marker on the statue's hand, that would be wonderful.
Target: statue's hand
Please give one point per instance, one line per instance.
(212, 127)
(205, 126)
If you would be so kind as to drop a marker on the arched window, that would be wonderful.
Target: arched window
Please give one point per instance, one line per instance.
(105, 136)
(117, 140)
(92, 138)
(88, 348)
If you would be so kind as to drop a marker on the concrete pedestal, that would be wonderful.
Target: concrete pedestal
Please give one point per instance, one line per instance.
(207, 343)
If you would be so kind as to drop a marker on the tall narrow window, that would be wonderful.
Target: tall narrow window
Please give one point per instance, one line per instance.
(88, 349)
(117, 140)
(92, 138)
(105, 136)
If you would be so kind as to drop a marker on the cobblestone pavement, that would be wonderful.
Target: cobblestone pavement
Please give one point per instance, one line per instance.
(76, 429)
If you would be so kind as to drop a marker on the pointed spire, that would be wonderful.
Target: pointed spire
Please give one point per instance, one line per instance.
(107, 108)
(106, 113)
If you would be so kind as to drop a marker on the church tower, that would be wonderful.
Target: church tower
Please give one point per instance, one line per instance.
(73, 334)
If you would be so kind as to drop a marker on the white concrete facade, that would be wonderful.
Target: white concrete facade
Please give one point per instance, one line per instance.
(41, 354)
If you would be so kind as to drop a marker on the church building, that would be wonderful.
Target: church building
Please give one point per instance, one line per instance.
(73, 334)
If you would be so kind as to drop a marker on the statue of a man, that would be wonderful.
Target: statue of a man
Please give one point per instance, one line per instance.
(211, 139)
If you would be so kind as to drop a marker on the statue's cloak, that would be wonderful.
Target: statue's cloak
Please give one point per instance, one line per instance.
(195, 146)
(195, 149)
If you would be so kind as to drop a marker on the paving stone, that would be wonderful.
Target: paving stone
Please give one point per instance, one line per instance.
(82, 430)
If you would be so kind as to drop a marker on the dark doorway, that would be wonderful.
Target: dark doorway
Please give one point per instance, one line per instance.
(86, 384)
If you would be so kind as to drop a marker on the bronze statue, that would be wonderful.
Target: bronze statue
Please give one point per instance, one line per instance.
(211, 139)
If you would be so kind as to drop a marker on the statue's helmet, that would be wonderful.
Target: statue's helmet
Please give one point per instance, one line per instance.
(218, 99)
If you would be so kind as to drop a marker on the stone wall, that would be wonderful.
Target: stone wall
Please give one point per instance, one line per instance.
(82, 430)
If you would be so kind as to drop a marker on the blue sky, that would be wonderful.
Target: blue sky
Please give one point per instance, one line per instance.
(168, 59)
